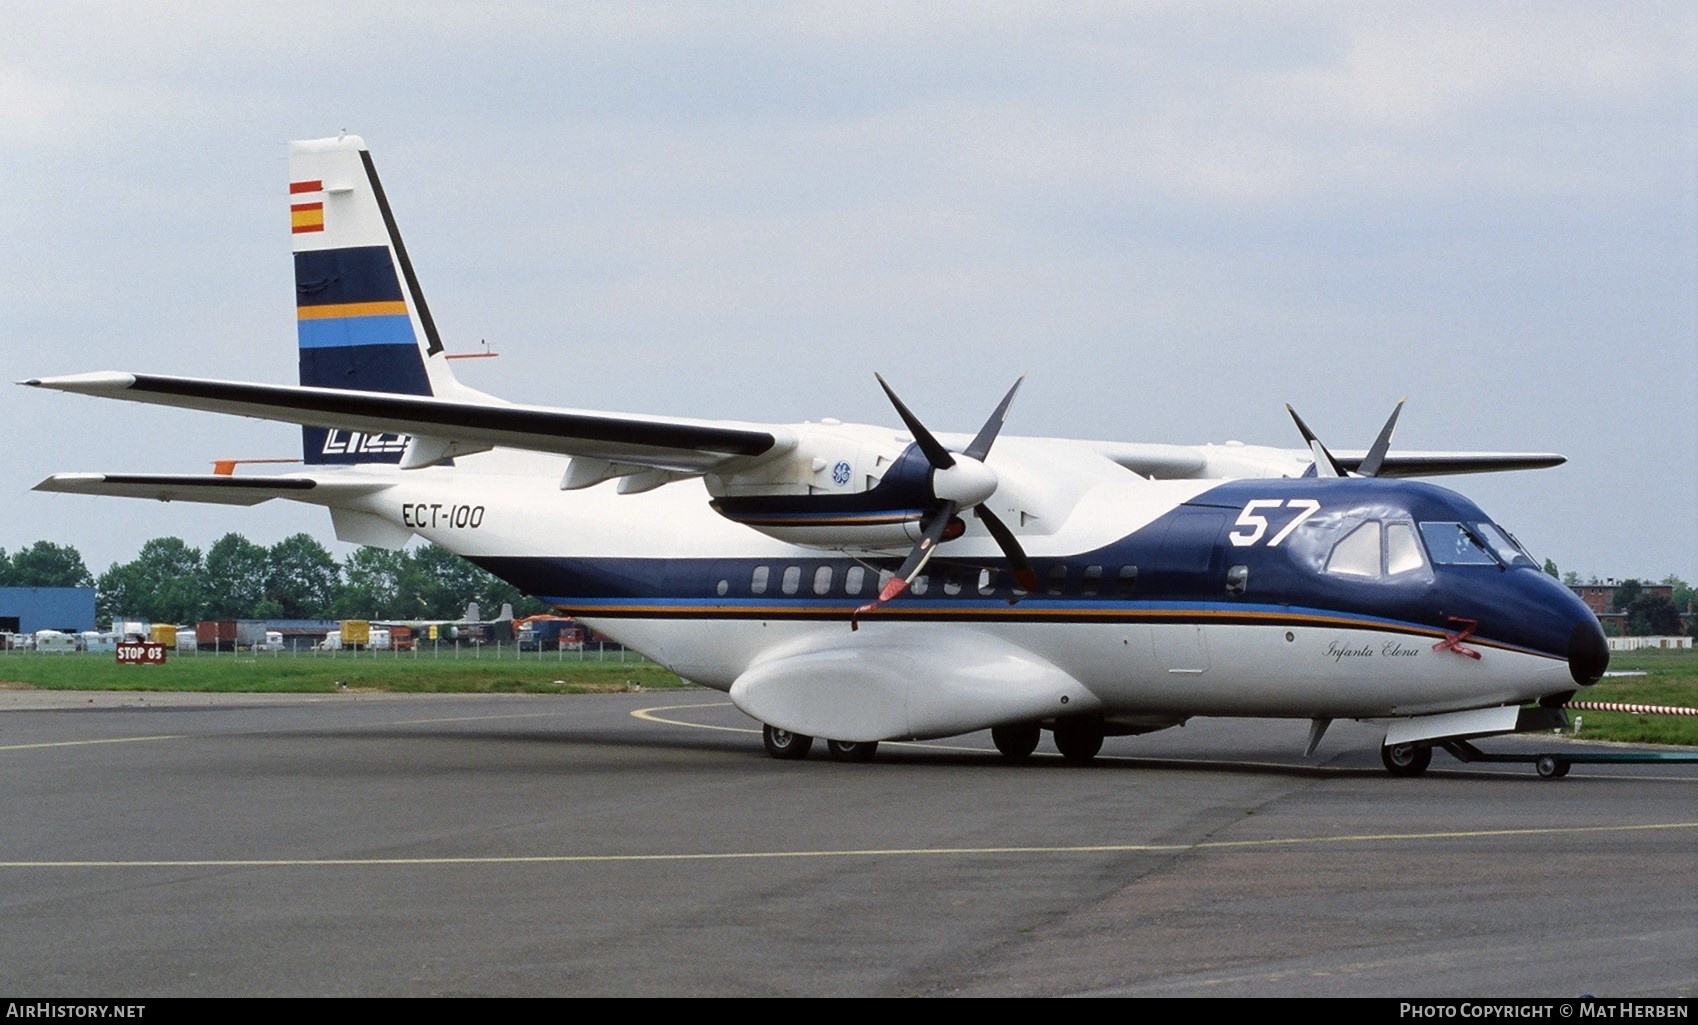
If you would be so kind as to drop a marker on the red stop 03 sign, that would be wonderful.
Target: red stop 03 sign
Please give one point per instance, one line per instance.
(141, 654)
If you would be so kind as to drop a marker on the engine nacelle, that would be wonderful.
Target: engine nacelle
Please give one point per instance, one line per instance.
(844, 486)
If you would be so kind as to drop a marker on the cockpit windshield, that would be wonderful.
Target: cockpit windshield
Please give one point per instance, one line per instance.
(1472, 544)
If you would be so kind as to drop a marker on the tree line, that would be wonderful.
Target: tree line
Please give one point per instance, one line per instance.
(171, 581)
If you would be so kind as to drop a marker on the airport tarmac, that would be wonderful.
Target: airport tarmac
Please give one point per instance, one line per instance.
(644, 845)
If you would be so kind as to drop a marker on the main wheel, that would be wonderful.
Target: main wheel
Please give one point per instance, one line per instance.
(852, 751)
(1406, 759)
(1079, 740)
(1550, 767)
(1016, 741)
(784, 744)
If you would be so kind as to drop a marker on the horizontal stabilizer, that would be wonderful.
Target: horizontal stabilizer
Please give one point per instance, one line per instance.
(211, 488)
(666, 443)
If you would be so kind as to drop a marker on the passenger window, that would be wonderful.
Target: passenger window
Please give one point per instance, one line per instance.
(757, 583)
(951, 583)
(1093, 580)
(920, 584)
(987, 581)
(1403, 552)
(853, 578)
(1057, 579)
(822, 580)
(1358, 555)
(792, 579)
(1126, 582)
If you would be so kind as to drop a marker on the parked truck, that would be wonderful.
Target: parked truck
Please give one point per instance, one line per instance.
(216, 634)
(355, 633)
(230, 634)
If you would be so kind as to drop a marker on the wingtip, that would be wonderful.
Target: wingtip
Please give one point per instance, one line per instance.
(95, 383)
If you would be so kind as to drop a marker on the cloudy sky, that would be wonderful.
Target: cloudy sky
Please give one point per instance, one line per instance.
(1177, 217)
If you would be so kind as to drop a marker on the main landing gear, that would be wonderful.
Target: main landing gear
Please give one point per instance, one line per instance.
(783, 744)
(1079, 739)
(1016, 741)
(852, 751)
(787, 746)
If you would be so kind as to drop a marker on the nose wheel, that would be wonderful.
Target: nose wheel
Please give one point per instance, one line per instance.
(1406, 759)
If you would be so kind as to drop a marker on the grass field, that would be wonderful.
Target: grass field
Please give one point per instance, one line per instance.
(1670, 679)
(484, 673)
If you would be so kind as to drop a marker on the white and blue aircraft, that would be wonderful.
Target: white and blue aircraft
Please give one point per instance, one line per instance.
(861, 583)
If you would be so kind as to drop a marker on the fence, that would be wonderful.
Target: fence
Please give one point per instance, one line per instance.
(494, 650)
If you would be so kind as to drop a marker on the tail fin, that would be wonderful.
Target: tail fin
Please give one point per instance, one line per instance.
(360, 317)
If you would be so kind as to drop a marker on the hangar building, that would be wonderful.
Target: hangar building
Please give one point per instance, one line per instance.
(28, 609)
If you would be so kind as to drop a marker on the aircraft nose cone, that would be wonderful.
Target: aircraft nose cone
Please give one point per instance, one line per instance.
(1588, 653)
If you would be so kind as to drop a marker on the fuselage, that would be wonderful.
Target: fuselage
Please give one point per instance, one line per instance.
(1284, 597)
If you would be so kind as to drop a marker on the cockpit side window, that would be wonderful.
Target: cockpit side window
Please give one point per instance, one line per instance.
(1358, 553)
(1374, 550)
(1507, 548)
(1403, 552)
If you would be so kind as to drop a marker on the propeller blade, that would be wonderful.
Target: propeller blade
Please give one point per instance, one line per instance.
(913, 564)
(987, 434)
(1377, 455)
(934, 451)
(922, 553)
(1023, 573)
(1325, 464)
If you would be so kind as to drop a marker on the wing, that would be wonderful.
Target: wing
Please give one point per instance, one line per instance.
(1437, 464)
(448, 427)
(1232, 460)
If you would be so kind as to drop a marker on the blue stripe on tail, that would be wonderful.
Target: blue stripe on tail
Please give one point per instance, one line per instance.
(362, 349)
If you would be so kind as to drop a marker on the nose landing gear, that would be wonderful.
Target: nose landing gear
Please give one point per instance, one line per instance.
(1406, 759)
